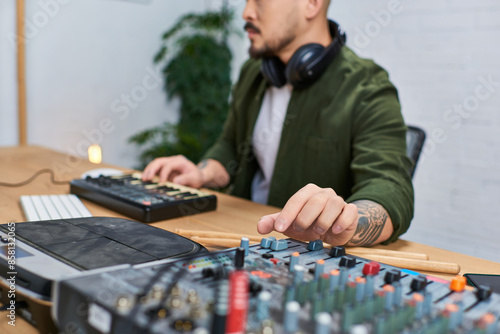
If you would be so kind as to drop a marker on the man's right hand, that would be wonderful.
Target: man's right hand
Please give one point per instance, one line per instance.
(177, 169)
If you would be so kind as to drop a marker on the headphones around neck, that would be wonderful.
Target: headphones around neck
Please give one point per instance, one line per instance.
(307, 63)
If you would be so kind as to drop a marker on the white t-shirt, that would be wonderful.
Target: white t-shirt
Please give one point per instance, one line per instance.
(266, 138)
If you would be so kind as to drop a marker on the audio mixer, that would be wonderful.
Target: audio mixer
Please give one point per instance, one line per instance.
(277, 286)
(146, 201)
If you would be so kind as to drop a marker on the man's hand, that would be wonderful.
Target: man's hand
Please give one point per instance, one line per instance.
(177, 169)
(314, 213)
(319, 213)
(180, 170)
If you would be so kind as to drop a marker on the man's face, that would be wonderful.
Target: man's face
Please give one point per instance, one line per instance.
(271, 25)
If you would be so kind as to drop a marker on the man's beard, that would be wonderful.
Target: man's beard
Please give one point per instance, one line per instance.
(269, 50)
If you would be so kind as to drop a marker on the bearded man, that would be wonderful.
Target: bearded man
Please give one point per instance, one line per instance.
(313, 129)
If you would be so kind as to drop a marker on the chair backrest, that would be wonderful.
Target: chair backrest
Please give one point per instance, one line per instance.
(415, 138)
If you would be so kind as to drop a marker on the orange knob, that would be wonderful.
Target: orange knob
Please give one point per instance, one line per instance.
(458, 283)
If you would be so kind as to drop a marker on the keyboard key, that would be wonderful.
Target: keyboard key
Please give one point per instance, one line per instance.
(49, 206)
(40, 208)
(60, 207)
(79, 206)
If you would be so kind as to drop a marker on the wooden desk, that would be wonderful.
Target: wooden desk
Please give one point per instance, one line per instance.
(233, 214)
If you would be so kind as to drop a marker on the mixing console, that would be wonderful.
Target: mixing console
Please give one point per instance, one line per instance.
(143, 200)
(277, 286)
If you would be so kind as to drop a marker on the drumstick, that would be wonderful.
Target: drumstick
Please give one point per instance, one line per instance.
(360, 251)
(219, 235)
(413, 264)
(229, 243)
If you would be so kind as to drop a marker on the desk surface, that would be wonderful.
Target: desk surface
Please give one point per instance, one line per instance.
(232, 215)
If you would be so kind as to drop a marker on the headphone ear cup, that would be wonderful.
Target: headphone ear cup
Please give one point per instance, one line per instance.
(273, 70)
(301, 71)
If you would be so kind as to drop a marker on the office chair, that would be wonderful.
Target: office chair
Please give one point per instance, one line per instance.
(415, 138)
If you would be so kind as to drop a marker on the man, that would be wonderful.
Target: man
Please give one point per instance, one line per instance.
(330, 152)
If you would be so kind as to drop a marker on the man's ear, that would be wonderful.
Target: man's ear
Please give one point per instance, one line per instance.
(314, 8)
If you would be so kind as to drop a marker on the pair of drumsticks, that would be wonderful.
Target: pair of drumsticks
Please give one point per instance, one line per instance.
(413, 261)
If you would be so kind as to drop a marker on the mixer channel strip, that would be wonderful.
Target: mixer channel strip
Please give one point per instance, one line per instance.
(277, 286)
(145, 201)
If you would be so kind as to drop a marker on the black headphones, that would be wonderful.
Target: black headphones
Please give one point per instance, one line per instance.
(307, 63)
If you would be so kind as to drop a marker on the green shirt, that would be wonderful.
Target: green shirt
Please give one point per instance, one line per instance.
(344, 132)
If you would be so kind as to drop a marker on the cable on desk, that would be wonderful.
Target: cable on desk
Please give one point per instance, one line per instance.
(17, 306)
(33, 177)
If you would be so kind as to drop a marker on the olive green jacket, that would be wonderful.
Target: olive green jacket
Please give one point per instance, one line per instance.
(345, 132)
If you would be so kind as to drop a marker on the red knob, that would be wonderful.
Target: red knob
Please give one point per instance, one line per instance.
(371, 269)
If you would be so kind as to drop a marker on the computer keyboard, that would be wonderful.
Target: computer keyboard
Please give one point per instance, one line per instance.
(48, 207)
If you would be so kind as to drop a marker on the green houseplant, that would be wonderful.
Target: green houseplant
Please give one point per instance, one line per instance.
(195, 60)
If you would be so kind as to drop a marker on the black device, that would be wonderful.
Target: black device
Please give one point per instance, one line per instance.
(277, 286)
(46, 251)
(145, 201)
(307, 63)
(490, 280)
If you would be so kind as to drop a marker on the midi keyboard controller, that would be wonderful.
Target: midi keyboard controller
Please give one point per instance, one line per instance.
(145, 201)
(277, 286)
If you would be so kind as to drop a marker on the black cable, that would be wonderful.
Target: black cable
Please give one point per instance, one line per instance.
(33, 177)
(17, 306)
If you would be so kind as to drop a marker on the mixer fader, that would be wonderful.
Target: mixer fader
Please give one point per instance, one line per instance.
(277, 286)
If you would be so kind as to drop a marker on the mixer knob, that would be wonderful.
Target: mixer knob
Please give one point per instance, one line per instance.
(418, 283)
(220, 273)
(298, 274)
(483, 292)
(266, 242)
(291, 318)
(254, 288)
(458, 283)
(263, 302)
(207, 272)
(104, 181)
(392, 275)
(294, 260)
(239, 258)
(337, 251)
(245, 243)
(347, 261)
(319, 268)
(323, 321)
(371, 269)
(279, 245)
(124, 303)
(487, 323)
(315, 245)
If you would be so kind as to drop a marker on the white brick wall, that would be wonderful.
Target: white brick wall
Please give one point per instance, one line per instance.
(438, 52)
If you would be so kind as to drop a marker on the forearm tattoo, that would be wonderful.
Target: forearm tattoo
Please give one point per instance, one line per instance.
(371, 222)
(202, 164)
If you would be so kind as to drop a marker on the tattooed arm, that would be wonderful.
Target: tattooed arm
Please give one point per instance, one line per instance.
(374, 224)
